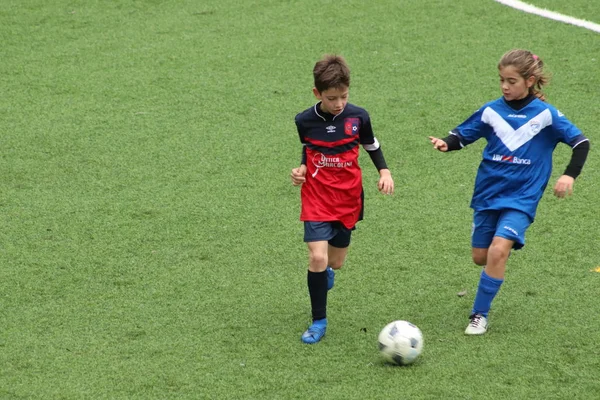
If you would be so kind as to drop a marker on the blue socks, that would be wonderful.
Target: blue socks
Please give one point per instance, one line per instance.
(487, 290)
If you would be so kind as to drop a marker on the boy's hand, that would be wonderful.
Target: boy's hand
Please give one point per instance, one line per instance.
(386, 183)
(438, 144)
(564, 186)
(298, 175)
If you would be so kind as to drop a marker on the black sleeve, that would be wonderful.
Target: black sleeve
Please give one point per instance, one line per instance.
(301, 137)
(370, 143)
(578, 158)
(378, 159)
(453, 141)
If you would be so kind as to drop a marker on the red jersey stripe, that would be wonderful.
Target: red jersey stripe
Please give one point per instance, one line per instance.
(337, 143)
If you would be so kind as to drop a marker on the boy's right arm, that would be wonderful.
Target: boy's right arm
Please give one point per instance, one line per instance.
(438, 144)
(449, 143)
(298, 175)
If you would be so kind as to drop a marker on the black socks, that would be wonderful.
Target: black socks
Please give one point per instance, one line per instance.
(317, 289)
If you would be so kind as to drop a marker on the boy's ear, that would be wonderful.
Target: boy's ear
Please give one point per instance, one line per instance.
(530, 81)
(316, 93)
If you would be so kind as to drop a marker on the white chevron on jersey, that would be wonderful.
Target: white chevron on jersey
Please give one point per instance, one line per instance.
(515, 138)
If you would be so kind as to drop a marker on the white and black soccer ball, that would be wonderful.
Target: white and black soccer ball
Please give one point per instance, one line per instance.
(400, 342)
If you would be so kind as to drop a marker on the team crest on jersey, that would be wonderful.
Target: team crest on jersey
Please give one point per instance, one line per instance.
(535, 125)
(351, 126)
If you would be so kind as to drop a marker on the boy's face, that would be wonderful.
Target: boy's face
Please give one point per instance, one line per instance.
(512, 84)
(333, 100)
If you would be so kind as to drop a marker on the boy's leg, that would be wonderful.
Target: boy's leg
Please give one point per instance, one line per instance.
(490, 281)
(317, 279)
(336, 259)
(497, 256)
(337, 251)
(317, 289)
(320, 237)
(336, 256)
(510, 231)
(482, 235)
(479, 256)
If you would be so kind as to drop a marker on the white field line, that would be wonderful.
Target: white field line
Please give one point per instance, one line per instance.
(519, 5)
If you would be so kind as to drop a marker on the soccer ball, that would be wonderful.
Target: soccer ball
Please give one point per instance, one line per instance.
(400, 342)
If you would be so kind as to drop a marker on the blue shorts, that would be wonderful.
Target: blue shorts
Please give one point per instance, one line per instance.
(336, 234)
(508, 224)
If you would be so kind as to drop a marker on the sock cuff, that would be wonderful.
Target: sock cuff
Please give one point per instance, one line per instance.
(493, 281)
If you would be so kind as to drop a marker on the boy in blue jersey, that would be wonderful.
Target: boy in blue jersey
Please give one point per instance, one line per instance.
(521, 131)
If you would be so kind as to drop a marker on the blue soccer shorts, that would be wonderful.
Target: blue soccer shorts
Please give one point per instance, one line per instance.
(336, 234)
(508, 224)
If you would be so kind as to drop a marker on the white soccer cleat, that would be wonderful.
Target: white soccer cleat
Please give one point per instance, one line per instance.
(477, 326)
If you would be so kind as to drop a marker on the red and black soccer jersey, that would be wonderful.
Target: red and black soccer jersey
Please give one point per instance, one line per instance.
(333, 188)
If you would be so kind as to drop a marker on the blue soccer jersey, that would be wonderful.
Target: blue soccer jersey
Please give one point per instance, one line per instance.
(517, 161)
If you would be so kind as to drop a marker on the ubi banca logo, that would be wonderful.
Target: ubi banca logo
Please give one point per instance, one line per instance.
(511, 159)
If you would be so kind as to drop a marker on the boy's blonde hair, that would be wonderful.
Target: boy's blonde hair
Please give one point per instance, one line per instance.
(527, 65)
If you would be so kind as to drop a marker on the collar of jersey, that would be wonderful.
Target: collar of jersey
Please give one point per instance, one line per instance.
(521, 103)
(326, 116)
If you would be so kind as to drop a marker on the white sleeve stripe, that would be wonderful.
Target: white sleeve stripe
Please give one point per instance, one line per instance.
(371, 147)
(459, 142)
(581, 141)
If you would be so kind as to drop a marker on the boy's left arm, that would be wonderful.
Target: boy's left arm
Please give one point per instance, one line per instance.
(564, 185)
(568, 133)
(386, 183)
(371, 145)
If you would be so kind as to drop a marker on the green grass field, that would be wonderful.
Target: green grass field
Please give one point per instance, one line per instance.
(150, 245)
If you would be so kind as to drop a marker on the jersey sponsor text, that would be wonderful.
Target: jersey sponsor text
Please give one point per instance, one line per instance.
(511, 159)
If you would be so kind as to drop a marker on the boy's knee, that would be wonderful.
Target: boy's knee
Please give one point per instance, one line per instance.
(317, 258)
(479, 256)
(498, 252)
(480, 260)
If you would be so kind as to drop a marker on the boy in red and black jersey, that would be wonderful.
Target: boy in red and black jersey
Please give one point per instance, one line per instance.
(331, 179)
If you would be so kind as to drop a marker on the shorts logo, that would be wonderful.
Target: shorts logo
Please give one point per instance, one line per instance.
(351, 126)
(508, 228)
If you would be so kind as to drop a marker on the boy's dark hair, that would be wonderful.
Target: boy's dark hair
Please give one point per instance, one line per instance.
(331, 72)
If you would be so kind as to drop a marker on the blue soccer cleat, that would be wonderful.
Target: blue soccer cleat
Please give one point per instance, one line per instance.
(315, 332)
(330, 277)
